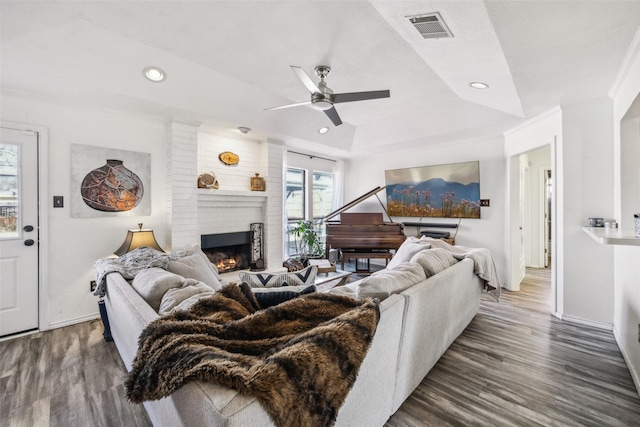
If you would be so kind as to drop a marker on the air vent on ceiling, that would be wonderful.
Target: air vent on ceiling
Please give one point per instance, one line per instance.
(430, 26)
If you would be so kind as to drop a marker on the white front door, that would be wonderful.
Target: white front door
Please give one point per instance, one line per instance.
(18, 231)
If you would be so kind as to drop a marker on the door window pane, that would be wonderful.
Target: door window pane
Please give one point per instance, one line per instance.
(8, 191)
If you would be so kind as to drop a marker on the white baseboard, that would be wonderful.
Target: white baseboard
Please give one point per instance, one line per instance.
(55, 326)
(580, 321)
(73, 321)
(24, 334)
(632, 371)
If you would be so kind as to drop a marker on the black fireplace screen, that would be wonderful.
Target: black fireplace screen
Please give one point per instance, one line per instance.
(227, 251)
(234, 251)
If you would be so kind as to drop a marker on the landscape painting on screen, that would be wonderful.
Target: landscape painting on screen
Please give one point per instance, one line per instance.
(446, 191)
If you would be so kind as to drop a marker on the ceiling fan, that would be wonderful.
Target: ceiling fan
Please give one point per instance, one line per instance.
(323, 98)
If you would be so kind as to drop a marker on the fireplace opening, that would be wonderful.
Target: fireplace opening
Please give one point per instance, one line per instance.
(227, 251)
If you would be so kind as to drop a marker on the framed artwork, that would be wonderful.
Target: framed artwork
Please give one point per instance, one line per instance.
(444, 191)
(108, 182)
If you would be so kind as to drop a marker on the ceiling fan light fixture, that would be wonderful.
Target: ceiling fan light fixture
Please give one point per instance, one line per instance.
(479, 85)
(323, 130)
(154, 74)
(322, 104)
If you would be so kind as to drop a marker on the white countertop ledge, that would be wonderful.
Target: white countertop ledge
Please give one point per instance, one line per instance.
(613, 236)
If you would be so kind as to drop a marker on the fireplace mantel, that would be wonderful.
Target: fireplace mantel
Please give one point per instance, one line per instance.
(230, 198)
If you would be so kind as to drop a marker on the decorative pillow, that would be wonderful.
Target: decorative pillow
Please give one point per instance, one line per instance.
(410, 247)
(195, 249)
(347, 290)
(176, 296)
(384, 283)
(196, 265)
(306, 276)
(268, 297)
(153, 283)
(434, 260)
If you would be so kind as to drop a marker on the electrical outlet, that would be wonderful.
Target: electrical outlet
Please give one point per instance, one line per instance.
(485, 202)
(92, 285)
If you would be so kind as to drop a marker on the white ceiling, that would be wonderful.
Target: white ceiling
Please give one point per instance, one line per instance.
(227, 61)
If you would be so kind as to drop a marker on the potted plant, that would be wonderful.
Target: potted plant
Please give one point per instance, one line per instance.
(308, 243)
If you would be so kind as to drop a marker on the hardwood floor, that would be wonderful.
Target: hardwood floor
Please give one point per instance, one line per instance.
(65, 377)
(515, 365)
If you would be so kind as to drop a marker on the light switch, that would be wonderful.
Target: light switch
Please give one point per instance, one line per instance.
(58, 202)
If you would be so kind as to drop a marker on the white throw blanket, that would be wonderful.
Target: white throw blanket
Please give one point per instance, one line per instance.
(129, 264)
(484, 266)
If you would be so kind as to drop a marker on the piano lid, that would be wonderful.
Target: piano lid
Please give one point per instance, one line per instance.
(360, 199)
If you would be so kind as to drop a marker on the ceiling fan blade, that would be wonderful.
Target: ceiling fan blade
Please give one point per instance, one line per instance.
(289, 106)
(333, 115)
(360, 96)
(305, 79)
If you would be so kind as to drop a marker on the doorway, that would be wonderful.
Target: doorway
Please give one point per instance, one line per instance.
(23, 229)
(532, 209)
(18, 231)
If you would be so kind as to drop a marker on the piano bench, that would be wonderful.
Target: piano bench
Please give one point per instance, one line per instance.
(365, 255)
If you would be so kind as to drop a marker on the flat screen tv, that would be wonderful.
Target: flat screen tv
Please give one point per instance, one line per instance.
(440, 191)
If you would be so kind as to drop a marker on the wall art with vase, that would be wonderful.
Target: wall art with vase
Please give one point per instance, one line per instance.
(108, 182)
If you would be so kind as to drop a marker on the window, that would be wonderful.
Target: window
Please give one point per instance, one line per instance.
(9, 200)
(295, 194)
(300, 204)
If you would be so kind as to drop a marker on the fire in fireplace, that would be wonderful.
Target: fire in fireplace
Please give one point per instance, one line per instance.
(227, 251)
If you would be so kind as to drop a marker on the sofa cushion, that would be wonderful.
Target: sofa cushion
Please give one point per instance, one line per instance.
(384, 283)
(196, 265)
(175, 297)
(306, 276)
(434, 260)
(410, 247)
(152, 283)
(268, 297)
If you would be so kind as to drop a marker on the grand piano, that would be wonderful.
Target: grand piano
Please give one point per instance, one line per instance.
(362, 234)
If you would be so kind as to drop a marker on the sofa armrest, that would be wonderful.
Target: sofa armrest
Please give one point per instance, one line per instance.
(437, 311)
(128, 315)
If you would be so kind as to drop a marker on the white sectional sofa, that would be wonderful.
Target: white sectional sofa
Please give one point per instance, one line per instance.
(416, 327)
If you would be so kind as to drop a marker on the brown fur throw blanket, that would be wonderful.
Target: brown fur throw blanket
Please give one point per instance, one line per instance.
(299, 358)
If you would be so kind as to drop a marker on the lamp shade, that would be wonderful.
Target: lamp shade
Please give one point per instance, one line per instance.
(136, 239)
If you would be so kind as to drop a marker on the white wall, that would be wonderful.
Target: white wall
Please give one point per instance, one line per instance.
(75, 243)
(626, 144)
(364, 174)
(252, 153)
(582, 159)
(588, 192)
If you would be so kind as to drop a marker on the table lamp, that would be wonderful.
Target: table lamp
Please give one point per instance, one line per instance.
(136, 239)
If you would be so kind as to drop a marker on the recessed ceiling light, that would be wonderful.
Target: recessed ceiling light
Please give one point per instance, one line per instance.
(479, 85)
(323, 130)
(245, 130)
(154, 74)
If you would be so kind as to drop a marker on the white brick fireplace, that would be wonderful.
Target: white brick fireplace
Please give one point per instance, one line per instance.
(193, 211)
